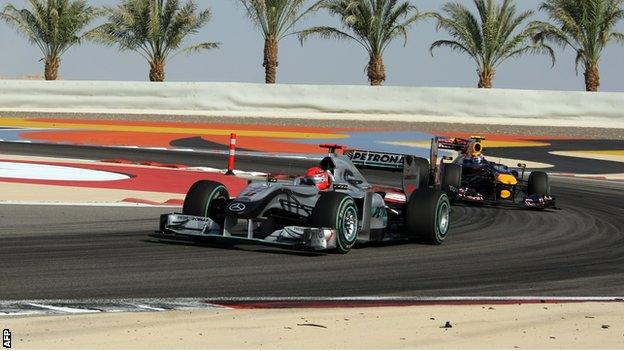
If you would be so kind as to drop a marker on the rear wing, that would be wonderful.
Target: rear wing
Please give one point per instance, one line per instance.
(461, 145)
(457, 144)
(377, 160)
(390, 162)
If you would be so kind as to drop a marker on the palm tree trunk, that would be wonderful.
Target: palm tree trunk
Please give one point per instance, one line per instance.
(157, 70)
(485, 78)
(592, 77)
(51, 68)
(270, 60)
(376, 70)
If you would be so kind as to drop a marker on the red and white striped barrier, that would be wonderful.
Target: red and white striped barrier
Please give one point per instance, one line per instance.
(232, 157)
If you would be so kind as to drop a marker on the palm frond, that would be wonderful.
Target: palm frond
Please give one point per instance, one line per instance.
(492, 34)
(155, 29)
(278, 18)
(196, 48)
(374, 24)
(328, 33)
(587, 26)
(54, 26)
(453, 45)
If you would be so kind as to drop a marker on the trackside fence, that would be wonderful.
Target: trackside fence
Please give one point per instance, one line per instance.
(461, 105)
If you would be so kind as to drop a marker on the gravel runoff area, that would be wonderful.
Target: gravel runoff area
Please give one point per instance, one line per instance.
(593, 133)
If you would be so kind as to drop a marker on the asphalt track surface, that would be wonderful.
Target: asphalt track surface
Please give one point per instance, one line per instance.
(64, 252)
(565, 164)
(561, 164)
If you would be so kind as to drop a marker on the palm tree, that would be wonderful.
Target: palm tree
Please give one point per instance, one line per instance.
(155, 29)
(587, 26)
(54, 26)
(373, 24)
(276, 19)
(490, 38)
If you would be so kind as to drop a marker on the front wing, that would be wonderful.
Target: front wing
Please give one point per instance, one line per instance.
(179, 227)
(530, 202)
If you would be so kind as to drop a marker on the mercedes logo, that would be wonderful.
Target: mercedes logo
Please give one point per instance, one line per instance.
(237, 207)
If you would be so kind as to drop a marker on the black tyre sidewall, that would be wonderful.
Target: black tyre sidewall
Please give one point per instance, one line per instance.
(330, 211)
(200, 196)
(451, 176)
(424, 210)
(423, 171)
(538, 184)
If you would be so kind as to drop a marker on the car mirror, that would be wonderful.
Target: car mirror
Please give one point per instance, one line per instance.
(352, 179)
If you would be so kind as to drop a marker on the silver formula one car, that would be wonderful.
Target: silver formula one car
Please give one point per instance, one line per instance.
(298, 214)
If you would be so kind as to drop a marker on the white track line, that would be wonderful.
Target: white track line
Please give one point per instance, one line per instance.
(146, 307)
(64, 309)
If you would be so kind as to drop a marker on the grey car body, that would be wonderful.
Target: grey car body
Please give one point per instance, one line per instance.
(293, 214)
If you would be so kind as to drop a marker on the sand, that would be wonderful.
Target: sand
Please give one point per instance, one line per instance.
(544, 326)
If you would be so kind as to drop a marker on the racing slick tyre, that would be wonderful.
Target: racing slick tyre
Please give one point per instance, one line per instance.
(538, 184)
(337, 211)
(207, 199)
(451, 177)
(428, 216)
(423, 171)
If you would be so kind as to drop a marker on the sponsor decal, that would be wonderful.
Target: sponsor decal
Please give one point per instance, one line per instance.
(237, 207)
(178, 218)
(379, 159)
(318, 240)
(395, 197)
(198, 219)
(253, 189)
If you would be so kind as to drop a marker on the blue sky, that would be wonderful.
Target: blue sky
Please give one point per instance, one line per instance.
(318, 62)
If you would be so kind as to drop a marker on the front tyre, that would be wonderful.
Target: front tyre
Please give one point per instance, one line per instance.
(423, 171)
(337, 211)
(538, 184)
(428, 216)
(207, 199)
(451, 177)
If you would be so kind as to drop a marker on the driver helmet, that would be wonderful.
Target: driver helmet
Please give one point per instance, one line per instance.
(318, 177)
(477, 159)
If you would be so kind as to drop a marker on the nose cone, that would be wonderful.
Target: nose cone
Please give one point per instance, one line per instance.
(506, 179)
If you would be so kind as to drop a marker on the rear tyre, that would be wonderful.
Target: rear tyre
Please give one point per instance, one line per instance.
(538, 184)
(207, 199)
(451, 176)
(337, 211)
(428, 216)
